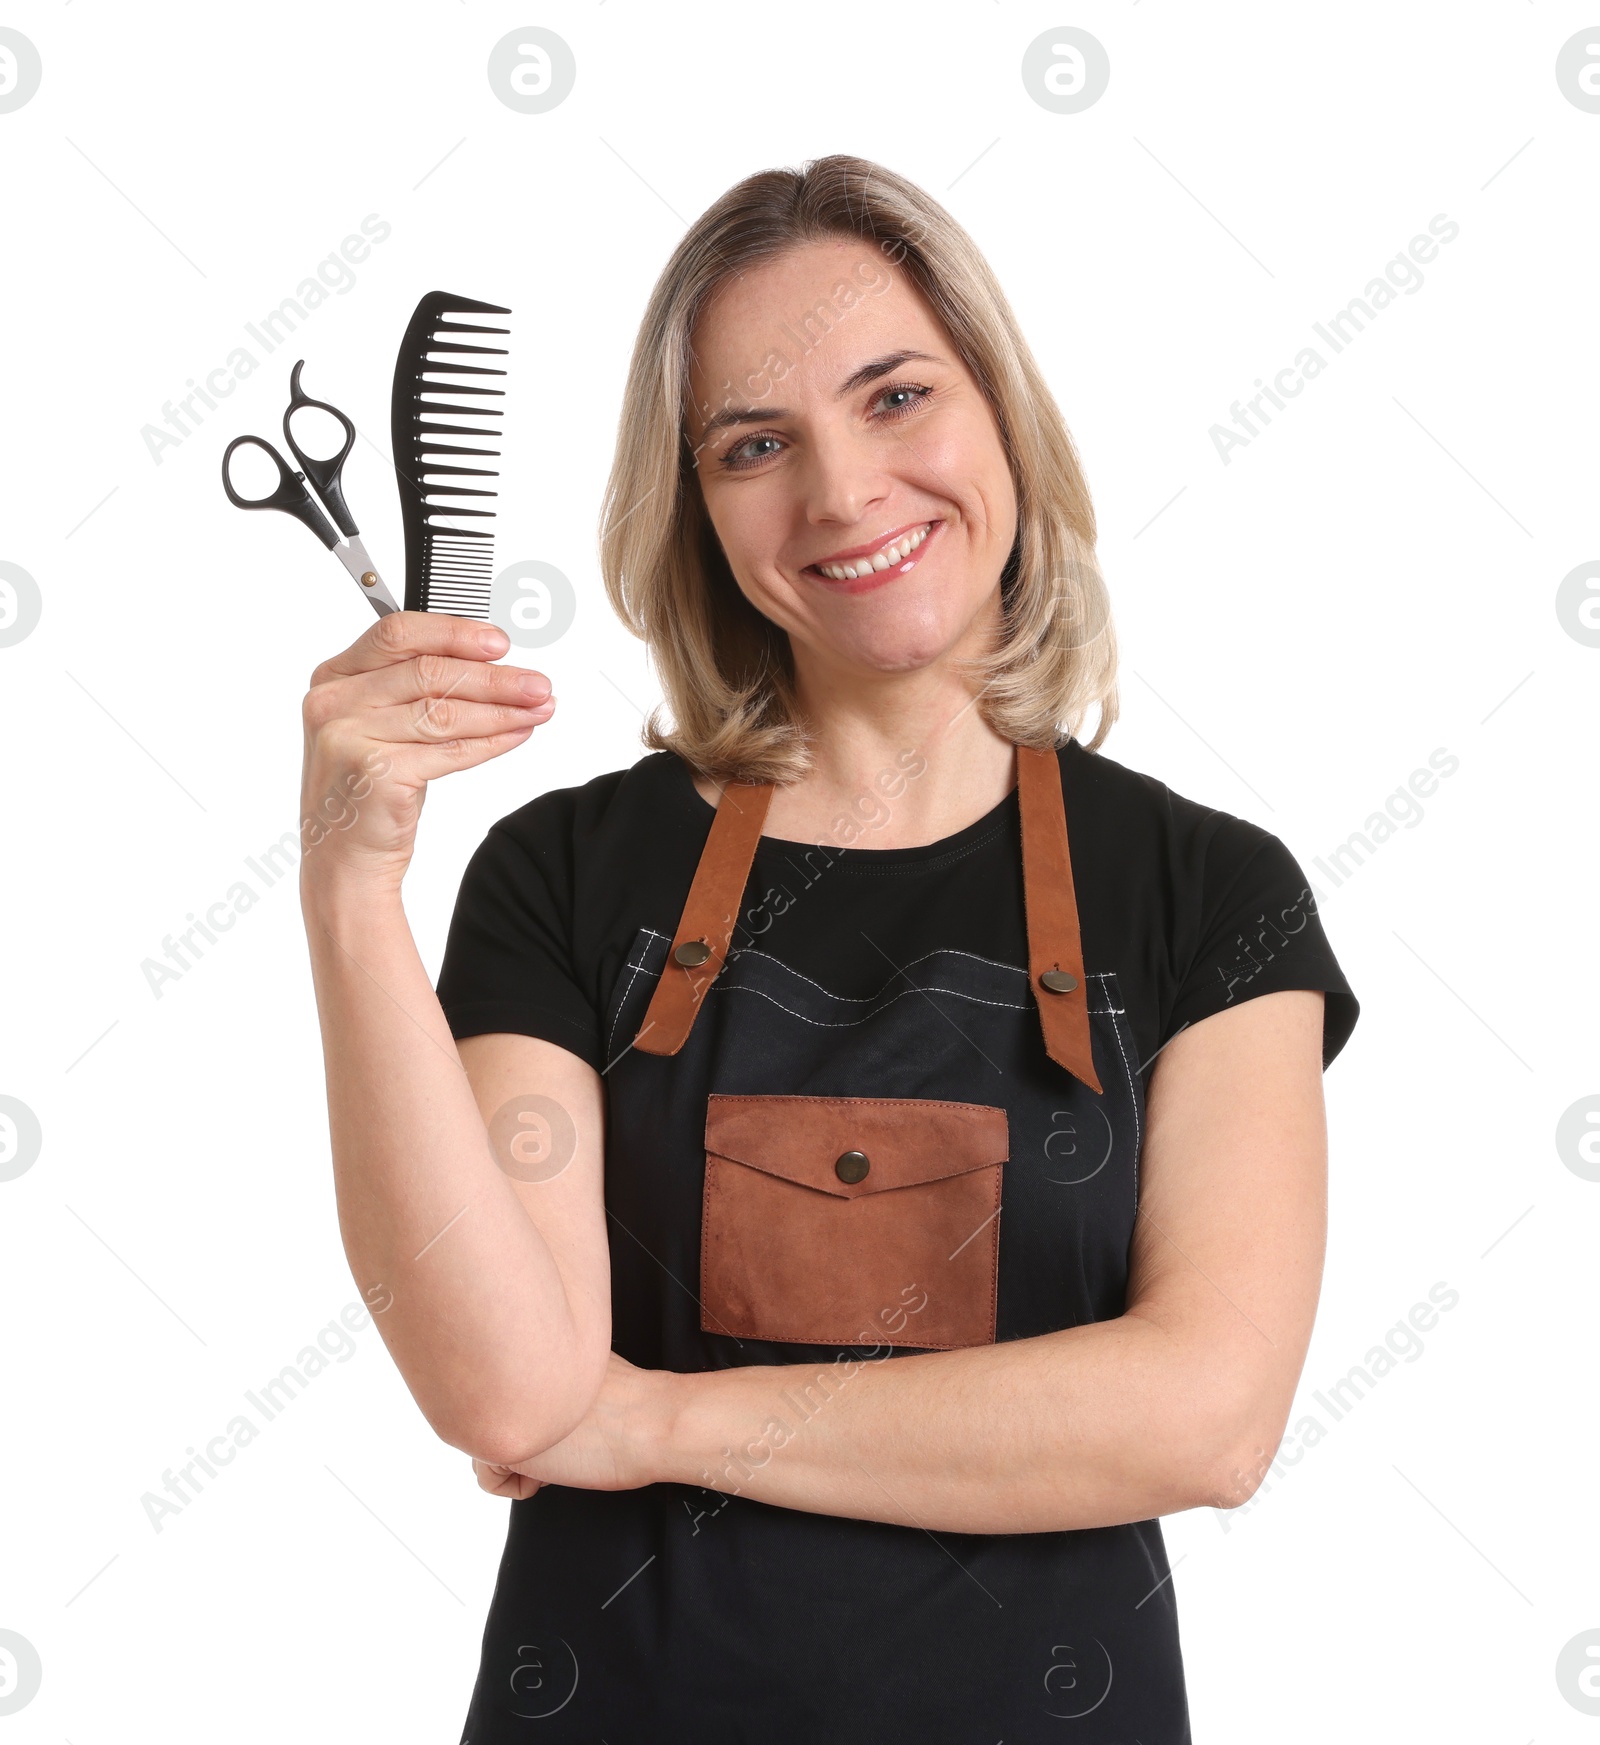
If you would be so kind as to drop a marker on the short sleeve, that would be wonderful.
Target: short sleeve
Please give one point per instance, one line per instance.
(508, 961)
(1256, 929)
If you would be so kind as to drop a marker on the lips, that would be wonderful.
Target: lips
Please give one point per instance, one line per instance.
(893, 553)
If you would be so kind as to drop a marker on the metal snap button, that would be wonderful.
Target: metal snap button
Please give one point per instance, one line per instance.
(852, 1167)
(691, 953)
(1058, 981)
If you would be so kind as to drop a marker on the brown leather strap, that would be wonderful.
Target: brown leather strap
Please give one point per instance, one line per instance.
(1051, 906)
(708, 916)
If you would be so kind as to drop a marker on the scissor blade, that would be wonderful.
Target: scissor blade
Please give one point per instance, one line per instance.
(353, 555)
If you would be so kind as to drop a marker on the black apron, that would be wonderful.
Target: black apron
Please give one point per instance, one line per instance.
(784, 1170)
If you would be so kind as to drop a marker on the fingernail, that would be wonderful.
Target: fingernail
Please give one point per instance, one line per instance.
(493, 640)
(535, 685)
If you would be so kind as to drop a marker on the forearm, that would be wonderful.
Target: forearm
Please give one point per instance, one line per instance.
(466, 1291)
(1112, 1422)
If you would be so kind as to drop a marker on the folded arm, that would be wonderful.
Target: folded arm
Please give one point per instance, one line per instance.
(1177, 1403)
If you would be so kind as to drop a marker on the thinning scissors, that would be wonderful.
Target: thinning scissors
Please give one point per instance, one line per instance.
(292, 497)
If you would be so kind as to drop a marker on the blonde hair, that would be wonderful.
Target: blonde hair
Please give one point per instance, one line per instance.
(726, 672)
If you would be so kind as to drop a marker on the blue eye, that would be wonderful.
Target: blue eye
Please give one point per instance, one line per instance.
(731, 460)
(905, 388)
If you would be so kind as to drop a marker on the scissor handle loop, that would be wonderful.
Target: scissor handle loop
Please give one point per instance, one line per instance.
(323, 474)
(291, 495)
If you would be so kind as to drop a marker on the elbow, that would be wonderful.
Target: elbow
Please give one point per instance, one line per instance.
(531, 1427)
(1229, 1435)
(1229, 1471)
(509, 1445)
(1213, 1428)
(507, 1442)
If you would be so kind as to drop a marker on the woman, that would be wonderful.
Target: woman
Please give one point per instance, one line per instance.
(865, 1208)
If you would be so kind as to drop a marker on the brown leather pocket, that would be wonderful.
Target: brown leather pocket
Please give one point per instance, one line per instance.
(852, 1220)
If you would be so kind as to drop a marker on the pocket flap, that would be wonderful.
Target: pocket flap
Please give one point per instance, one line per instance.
(904, 1140)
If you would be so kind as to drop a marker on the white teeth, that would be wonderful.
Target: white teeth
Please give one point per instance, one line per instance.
(885, 559)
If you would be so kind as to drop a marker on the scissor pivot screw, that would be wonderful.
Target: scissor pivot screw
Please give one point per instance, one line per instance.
(369, 580)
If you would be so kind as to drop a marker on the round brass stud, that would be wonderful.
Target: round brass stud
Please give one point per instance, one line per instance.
(852, 1167)
(1058, 981)
(692, 953)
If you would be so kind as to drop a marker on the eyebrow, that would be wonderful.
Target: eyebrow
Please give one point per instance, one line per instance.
(731, 417)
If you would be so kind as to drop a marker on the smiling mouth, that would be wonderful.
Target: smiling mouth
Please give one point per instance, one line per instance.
(890, 556)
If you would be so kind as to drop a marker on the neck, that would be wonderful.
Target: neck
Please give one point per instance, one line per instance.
(909, 765)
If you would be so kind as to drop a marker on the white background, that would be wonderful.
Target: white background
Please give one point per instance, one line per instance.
(1373, 578)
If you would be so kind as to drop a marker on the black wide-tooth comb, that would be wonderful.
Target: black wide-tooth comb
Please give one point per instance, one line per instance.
(449, 567)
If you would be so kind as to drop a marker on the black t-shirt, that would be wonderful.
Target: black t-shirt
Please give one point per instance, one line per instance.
(1196, 909)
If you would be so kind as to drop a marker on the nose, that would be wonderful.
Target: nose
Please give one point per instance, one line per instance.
(844, 479)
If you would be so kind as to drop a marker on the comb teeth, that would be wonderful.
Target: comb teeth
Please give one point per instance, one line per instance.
(449, 566)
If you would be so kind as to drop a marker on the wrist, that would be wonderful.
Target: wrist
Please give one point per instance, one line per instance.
(695, 1418)
(334, 892)
(656, 1421)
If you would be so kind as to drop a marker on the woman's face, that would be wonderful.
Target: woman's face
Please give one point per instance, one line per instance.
(849, 462)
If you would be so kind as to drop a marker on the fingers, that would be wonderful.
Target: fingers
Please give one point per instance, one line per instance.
(418, 696)
(418, 764)
(423, 675)
(402, 635)
(503, 1481)
(431, 720)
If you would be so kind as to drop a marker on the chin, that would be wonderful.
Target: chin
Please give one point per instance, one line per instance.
(899, 654)
(907, 632)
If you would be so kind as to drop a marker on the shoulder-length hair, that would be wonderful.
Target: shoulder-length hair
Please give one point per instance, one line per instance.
(727, 672)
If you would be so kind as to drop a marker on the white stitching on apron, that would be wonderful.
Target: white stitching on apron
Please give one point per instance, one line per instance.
(866, 1017)
(859, 999)
(1101, 975)
(1133, 1098)
(611, 1041)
